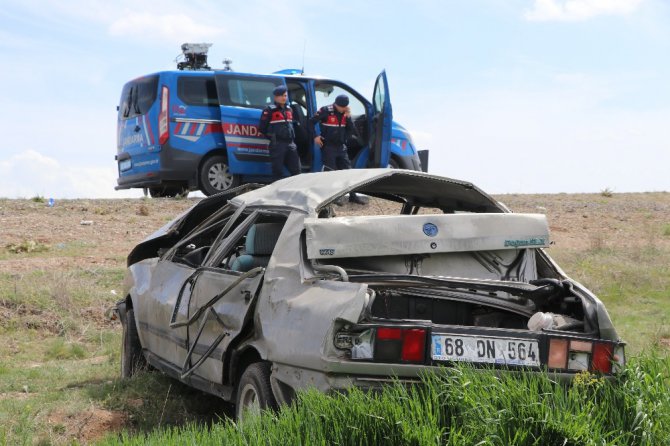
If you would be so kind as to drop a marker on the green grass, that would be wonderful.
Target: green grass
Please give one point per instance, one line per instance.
(634, 285)
(461, 406)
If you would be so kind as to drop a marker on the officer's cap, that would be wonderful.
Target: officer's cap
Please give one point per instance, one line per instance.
(342, 100)
(280, 90)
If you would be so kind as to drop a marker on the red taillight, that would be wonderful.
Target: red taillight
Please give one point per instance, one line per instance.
(413, 345)
(387, 334)
(400, 344)
(576, 355)
(602, 358)
(163, 128)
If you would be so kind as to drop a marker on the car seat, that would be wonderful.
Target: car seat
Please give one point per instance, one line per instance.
(260, 242)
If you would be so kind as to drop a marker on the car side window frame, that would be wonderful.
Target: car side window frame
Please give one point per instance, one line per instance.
(208, 224)
(229, 244)
(229, 90)
(184, 91)
(226, 244)
(367, 105)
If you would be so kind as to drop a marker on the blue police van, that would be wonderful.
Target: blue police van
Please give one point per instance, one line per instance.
(197, 128)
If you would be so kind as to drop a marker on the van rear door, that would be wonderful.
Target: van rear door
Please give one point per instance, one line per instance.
(382, 121)
(137, 139)
(242, 97)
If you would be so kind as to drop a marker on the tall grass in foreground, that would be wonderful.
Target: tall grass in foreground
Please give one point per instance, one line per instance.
(461, 406)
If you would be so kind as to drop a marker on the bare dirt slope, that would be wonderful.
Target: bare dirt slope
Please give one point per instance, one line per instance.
(103, 231)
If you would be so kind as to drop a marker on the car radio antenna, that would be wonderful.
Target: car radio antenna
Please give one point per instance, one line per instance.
(304, 45)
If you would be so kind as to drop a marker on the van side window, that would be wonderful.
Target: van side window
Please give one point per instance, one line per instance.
(138, 96)
(197, 91)
(246, 92)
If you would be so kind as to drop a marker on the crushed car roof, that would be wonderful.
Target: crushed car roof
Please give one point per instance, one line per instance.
(311, 192)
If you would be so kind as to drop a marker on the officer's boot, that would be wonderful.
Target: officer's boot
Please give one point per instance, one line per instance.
(355, 198)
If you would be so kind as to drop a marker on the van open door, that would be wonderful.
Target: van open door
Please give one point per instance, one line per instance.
(382, 119)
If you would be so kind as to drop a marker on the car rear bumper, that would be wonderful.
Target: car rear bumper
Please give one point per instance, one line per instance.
(376, 376)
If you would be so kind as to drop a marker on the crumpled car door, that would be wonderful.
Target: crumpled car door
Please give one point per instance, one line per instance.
(220, 303)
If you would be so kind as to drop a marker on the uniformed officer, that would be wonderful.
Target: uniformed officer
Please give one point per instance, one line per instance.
(336, 128)
(277, 124)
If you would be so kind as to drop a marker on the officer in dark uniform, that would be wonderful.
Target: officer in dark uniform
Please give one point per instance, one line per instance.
(336, 129)
(277, 124)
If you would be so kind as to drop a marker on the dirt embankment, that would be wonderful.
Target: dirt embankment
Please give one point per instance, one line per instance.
(102, 232)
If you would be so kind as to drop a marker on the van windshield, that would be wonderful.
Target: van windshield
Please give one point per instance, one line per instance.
(138, 96)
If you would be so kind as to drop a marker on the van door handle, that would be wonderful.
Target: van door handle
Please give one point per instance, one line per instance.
(137, 128)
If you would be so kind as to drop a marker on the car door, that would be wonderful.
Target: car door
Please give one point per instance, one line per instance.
(219, 306)
(242, 97)
(382, 121)
(157, 285)
(218, 303)
(137, 141)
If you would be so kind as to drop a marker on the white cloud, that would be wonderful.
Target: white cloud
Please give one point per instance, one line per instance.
(30, 173)
(176, 28)
(576, 10)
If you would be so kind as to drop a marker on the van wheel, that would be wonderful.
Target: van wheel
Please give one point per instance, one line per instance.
(215, 176)
(254, 391)
(132, 359)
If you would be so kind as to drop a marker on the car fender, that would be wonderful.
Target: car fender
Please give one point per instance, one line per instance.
(296, 311)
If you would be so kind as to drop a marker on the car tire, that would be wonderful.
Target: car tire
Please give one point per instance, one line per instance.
(393, 164)
(254, 391)
(132, 358)
(215, 176)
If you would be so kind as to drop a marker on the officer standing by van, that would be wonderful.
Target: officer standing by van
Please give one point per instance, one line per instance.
(277, 124)
(336, 129)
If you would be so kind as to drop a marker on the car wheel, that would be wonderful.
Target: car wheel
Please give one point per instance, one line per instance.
(132, 359)
(393, 164)
(254, 392)
(166, 191)
(215, 176)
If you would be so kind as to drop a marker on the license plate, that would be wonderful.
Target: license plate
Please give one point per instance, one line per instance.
(125, 164)
(483, 349)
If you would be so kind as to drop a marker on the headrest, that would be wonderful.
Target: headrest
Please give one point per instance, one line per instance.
(262, 238)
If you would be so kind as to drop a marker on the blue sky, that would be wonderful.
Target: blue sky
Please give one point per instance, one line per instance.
(517, 96)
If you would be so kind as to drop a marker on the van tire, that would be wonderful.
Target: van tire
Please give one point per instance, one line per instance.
(215, 176)
(254, 391)
(132, 358)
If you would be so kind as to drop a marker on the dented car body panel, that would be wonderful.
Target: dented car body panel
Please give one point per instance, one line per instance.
(270, 274)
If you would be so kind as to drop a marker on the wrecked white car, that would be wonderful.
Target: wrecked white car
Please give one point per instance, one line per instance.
(255, 293)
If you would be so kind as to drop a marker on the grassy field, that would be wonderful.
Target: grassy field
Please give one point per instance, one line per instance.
(464, 407)
(59, 355)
